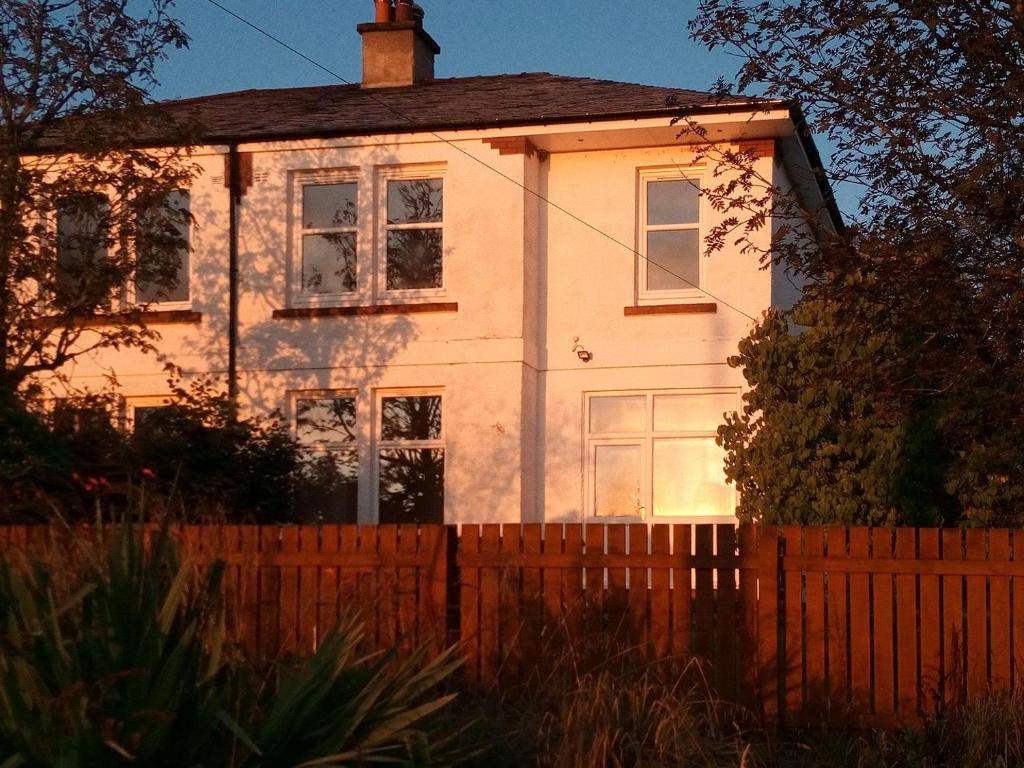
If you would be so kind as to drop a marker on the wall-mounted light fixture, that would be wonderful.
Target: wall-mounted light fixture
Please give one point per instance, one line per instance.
(581, 352)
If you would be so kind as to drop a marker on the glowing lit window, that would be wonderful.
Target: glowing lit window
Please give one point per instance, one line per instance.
(652, 455)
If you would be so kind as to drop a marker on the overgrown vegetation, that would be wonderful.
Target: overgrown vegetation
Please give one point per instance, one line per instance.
(193, 458)
(120, 657)
(900, 400)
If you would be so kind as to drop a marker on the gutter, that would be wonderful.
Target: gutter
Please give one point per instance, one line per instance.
(806, 139)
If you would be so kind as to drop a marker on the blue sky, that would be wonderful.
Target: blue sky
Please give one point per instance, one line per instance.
(643, 41)
(640, 41)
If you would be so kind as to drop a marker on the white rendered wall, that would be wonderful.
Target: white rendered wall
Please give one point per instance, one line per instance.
(528, 280)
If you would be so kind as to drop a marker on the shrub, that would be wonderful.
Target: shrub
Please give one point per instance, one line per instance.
(195, 458)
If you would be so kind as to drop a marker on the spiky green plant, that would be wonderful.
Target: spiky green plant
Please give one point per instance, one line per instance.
(113, 653)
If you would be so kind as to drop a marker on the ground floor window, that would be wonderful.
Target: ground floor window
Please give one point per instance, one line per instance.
(395, 469)
(653, 455)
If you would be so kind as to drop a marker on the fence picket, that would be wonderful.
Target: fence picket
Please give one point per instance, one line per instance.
(682, 592)
(814, 634)
(727, 662)
(704, 593)
(977, 615)
(931, 622)
(861, 630)
(953, 646)
(999, 610)
(572, 584)
(836, 630)
(288, 586)
(884, 649)
(906, 628)
(638, 588)
(793, 621)
(1017, 649)
(661, 595)
(615, 595)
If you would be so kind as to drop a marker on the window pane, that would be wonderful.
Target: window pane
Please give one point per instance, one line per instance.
(410, 418)
(617, 480)
(142, 413)
(414, 259)
(673, 202)
(689, 479)
(412, 485)
(162, 270)
(617, 414)
(418, 200)
(82, 251)
(327, 488)
(329, 206)
(678, 252)
(691, 413)
(329, 263)
(325, 420)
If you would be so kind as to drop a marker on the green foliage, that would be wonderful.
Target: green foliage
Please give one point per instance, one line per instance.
(203, 455)
(110, 667)
(902, 399)
(813, 444)
(194, 458)
(118, 657)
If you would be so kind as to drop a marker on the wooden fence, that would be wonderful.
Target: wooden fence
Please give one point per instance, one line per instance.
(807, 625)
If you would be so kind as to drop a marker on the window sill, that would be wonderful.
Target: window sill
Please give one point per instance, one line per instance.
(671, 309)
(365, 310)
(155, 317)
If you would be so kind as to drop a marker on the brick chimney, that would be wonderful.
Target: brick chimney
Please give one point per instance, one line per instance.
(396, 49)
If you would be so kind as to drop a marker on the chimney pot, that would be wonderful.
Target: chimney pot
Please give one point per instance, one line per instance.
(403, 10)
(384, 11)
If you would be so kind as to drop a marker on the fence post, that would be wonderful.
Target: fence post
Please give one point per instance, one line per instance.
(769, 576)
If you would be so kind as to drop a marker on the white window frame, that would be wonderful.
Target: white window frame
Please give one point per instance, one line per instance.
(379, 444)
(674, 173)
(646, 439)
(387, 173)
(363, 232)
(131, 402)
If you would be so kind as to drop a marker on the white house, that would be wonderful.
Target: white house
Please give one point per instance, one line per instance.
(488, 296)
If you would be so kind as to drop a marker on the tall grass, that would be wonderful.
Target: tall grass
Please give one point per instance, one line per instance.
(985, 732)
(594, 702)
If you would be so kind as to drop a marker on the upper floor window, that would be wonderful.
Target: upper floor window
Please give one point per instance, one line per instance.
(86, 276)
(653, 455)
(361, 240)
(670, 238)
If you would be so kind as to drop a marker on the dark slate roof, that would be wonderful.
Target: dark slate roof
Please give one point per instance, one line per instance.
(444, 104)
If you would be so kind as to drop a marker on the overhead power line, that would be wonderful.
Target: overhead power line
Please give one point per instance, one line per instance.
(413, 125)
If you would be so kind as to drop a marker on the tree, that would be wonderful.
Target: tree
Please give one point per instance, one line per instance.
(89, 219)
(903, 397)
